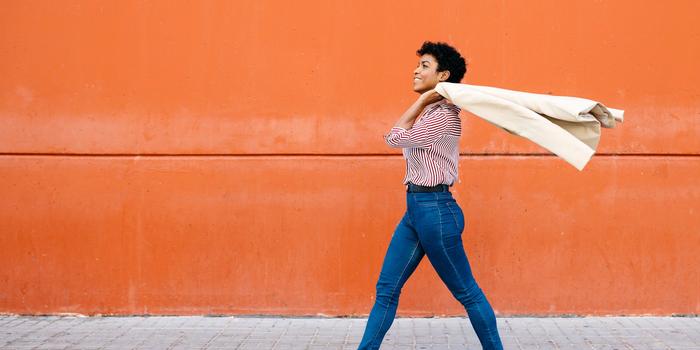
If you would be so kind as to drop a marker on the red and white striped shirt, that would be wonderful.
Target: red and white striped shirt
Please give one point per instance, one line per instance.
(431, 146)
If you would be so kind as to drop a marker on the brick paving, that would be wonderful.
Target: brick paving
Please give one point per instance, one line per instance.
(201, 332)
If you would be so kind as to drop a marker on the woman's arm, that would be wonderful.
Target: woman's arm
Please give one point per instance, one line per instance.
(409, 117)
(408, 134)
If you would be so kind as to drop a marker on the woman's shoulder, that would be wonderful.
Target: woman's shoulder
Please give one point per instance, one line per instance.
(443, 106)
(446, 104)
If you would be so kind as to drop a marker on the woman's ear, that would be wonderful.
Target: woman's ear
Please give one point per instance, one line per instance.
(444, 75)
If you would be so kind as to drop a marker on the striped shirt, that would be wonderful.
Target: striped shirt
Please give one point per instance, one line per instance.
(431, 146)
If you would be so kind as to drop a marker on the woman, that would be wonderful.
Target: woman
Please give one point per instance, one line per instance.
(433, 222)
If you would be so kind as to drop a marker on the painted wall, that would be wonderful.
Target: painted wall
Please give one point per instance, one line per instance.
(222, 157)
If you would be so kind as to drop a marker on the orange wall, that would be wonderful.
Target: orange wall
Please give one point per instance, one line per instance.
(217, 157)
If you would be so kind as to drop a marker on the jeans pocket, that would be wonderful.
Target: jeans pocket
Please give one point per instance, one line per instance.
(427, 204)
(425, 200)
(457, 215)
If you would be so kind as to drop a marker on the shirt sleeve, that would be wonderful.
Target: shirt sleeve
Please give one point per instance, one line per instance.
(424, 132)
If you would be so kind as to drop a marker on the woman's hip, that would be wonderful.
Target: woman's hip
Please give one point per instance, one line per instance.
(436, 212)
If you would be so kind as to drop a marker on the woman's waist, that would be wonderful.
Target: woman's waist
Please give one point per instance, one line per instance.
(416, 188)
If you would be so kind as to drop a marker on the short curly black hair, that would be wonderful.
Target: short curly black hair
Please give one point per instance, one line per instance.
(447, 57)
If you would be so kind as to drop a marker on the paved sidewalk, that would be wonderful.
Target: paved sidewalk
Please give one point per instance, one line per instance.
(67, 332)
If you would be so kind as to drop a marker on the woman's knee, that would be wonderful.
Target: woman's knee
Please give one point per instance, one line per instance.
(471, 294)
(387, 292)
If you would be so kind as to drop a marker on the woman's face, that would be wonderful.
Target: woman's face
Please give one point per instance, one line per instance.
(426, 76)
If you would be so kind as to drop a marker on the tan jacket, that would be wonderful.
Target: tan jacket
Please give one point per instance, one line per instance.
(566, 126)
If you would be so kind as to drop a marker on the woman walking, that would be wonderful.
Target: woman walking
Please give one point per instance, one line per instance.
(428, 132)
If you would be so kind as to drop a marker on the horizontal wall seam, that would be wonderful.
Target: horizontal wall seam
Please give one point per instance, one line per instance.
(328, 155)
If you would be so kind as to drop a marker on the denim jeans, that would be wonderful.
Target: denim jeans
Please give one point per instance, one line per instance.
(432, 225)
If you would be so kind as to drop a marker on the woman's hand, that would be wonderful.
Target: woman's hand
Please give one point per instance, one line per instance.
(428, 97)
(409, 117)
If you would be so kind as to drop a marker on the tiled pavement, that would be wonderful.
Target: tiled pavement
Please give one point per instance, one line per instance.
(68, 332)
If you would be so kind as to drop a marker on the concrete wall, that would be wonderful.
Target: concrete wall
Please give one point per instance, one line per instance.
(222, 157)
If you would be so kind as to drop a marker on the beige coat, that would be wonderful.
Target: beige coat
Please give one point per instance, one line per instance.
(566, 126)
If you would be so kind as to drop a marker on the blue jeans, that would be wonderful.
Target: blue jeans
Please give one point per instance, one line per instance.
(432, 225)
